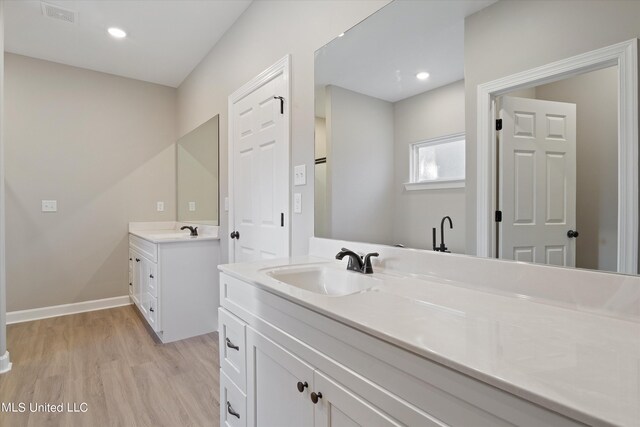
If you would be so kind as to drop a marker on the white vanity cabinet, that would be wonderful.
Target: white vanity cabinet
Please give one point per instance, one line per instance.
(174, 285)
(285, 365)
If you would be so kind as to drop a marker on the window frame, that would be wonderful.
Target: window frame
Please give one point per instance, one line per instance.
(434, 184)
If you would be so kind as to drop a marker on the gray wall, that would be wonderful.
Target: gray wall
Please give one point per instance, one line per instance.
(432, 114)
(359, 135)
(266, 32)
(103, 146)
(3, 293)
(596, 97)
(514, 36)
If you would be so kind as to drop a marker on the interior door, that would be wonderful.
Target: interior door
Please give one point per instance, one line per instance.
(260, 188)
(537, 176)
(279, 384)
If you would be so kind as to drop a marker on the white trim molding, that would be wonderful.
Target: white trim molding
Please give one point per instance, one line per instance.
(5, 363)
(623, 55)
(282, 67)
(65, 309)
(440, 184)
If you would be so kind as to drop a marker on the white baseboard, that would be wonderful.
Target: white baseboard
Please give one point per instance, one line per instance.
(62, 310)
(5, 363)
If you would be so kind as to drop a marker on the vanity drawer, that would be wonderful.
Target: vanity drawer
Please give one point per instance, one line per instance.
(233, 355)
(151, 311)
(146, 248)
(233, 403)
(152, 279)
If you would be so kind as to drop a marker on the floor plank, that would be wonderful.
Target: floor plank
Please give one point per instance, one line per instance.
(110, 361)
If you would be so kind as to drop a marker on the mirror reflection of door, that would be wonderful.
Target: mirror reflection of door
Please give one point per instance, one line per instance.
(558, 173)
(538, 181)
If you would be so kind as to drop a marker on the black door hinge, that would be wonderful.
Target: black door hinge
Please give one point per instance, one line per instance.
(281, 103)
(498, 216)
(498, 124)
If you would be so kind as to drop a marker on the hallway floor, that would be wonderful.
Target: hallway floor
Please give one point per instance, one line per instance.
(108, 360)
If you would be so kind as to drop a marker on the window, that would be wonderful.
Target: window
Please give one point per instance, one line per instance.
(437, 163)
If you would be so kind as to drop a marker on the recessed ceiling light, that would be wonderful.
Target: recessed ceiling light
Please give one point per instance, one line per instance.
(117, 33)
(341, 35)
(423, 75)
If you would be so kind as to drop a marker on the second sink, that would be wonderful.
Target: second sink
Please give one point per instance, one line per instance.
(323, 279)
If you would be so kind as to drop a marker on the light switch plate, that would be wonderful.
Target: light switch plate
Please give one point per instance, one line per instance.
(192, 206)
(300, 175)
(49, 206)
(160, 206)
(297, 203)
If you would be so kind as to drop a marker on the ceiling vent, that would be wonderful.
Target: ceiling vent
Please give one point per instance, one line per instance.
(57, 12)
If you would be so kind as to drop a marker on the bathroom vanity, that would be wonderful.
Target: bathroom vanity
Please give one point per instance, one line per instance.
(428, 339)
(173, 280)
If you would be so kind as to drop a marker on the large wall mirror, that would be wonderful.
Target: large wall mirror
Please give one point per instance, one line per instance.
(197, 166)
(390, 146)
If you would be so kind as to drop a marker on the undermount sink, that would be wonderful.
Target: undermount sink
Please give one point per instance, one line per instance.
(323, 280)
(171, 235)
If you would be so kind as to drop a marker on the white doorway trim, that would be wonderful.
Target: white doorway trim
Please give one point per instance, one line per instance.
(623, 55)
(281, 67)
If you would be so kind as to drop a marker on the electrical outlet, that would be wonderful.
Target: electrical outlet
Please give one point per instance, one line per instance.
(297, 203)
(49, 206)
(226, 204)
(192, 206)
(300, 175)
(160, 206)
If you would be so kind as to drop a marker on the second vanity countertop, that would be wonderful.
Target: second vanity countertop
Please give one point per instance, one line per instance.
(170, 236)
(581, 364)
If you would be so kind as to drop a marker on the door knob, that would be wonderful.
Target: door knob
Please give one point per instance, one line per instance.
(572, 234)
(235, 235)
(315, 396)
(301, 386)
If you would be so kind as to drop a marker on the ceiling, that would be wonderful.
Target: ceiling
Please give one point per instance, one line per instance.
(165, 40)
(381, 56)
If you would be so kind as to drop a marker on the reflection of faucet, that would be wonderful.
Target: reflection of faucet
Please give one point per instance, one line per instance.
(193, 230)
(442, 247)
(361, 264)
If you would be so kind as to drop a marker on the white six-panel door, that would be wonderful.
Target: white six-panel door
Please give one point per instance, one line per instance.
(260, 171)
(537, 181)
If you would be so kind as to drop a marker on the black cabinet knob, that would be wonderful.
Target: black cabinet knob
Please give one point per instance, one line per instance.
(151, 309)
(151, 276)
(572, 234)
(315, 397)
(137, 259)
(301, 386)
(235, 235)
(130, 259)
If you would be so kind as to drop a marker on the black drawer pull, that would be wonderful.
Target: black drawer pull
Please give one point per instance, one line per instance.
(232, 345)
(231, 411)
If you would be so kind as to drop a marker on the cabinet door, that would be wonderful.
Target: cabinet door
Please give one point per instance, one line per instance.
(273, 375)
(137, 270)
(131, 270)
(340, 407)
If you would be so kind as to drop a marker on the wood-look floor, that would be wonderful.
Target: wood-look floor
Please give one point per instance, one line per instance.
(109, 360)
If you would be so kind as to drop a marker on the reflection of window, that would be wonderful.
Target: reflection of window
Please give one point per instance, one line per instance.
(437, 163)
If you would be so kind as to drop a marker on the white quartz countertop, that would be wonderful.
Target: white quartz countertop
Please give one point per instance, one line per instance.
(170, 236)
(583, 365)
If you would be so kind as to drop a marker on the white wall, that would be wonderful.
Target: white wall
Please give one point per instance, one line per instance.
(432, 114)
(266, 32)
(514, 36)
(359, 194)
(103, 146)
(596, 97)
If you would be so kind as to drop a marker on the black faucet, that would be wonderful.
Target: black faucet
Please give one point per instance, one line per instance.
(193, 230)
(361, 264)
(442, 247)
